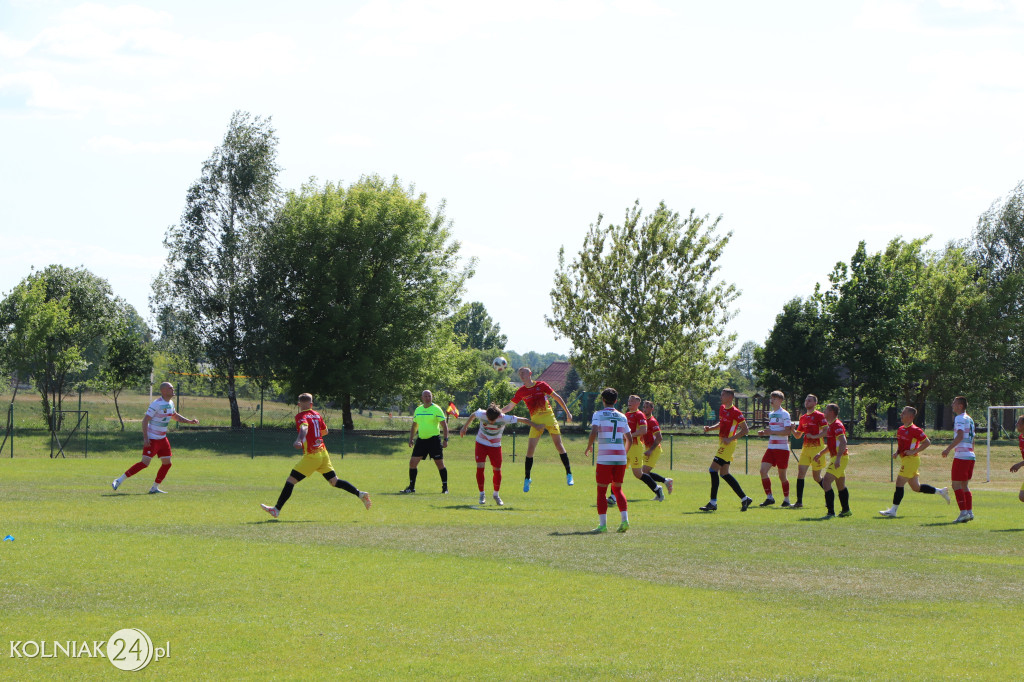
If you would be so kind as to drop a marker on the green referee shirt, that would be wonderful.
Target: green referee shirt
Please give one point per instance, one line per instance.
(428, 420)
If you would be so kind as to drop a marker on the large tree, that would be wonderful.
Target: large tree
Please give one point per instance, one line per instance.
(642, 303)
(797, 358)
(365, 280)
(127, 356)
(211, 255)
(476, 328)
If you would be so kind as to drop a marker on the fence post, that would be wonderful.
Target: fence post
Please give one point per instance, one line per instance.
(513, 446)
(252, 450)
(746, 447)
(343, 442)
(86, 429)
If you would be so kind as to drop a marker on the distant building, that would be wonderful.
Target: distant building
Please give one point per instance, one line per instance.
(555, 376)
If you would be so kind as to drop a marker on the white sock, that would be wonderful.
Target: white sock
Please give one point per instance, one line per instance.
(602, 519)
(715, 502)
(786, 499)
(625, 515)
(894, 508)
(120, 479)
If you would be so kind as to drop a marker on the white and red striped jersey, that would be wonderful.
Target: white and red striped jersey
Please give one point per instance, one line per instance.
(490, 434)
(965, 448)
(778, 421)
(612, 427)
(160, 412)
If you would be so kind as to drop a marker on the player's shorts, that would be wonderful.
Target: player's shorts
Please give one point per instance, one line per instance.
(807, 454)
(610, 473)
(315, 461)
(840, 471)
(777, 458)
(485, 452)
(428, 447)
(651, 460)
(725, 451)
(909, 464)
(158, 447)
(1022, 487)
(963, 469)
(547, 419)
(635, 456)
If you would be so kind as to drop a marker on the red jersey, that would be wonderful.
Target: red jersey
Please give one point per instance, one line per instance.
(636, 419)
(835, 429)
(536, 396)
(908, 437)
(729, 419)
(316, 427)
(812, 426)
(1020, 442)
(652, 428)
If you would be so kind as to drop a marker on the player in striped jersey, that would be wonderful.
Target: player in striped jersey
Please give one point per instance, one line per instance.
(488, 444)
(1020, 443)
(777, 455)
(610, 429)
(911, 440)
(311, 431)
(963, 459)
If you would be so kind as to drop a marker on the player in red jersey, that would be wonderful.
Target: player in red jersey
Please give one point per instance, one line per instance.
(311, 431)
(1020, 442)
(812, 424)
(652, 441)
(536, 393)
(732, 426)
(839, 457)
(911, 440)
(638, 430)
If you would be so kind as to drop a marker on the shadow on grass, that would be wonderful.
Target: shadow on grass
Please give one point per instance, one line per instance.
(939, 523)
(818, 518)
(265, 521)
(560, 534)
(1007, 530)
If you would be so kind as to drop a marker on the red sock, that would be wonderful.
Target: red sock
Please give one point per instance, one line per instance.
(134, 469)
(968, 500)
(960, 499)
(602, 501)
(767, 486)
(620, 499)
(497, 480)
(785, 488)
(480, 478)
(164, 468)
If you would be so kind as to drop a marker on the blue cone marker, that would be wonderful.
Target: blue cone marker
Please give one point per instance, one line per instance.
(9, 537)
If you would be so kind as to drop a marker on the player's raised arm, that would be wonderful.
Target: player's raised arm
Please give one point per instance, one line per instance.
(465, 427)
(558, 399)
(714, 426)
(508, 408)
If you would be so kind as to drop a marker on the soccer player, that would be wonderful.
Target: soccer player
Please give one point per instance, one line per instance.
(839, 457)
(812, 424)
(428, 421)
(154, 438)
(732, 426)
(638, 430)
(911, 440)
(311, 430)
(610, 429)
(653, 442)
(777, 454)
(488, 444)
(963, 460)
(536, 393)
(1020, 443)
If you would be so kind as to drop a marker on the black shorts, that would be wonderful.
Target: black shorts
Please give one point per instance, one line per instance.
(428, 447)
(720, 462)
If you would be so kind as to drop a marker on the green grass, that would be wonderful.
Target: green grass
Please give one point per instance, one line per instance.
(435, 587)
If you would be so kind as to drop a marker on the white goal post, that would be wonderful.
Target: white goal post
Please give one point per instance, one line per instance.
(988, 434)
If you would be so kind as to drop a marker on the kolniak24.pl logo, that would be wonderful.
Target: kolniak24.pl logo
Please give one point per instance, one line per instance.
(127, 649)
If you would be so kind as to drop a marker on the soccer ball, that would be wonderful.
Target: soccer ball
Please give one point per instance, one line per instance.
(499, 364)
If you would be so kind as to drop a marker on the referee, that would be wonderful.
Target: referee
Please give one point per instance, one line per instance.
(425, 440)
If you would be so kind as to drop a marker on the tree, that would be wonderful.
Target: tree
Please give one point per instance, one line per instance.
(797, 357)
(365, 281)
(128, 356)
(641, 304)
(211, 256)
(746, 362)
(477, 329)
(52, 328)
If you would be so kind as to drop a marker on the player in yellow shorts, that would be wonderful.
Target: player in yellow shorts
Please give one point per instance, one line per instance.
(312, 429)
(1020, 441)
(732, 426)
(839, 457)
(812, 425)
(535, 394)
(547, 422)
(638, 430)
(911, 440)
(653, 442)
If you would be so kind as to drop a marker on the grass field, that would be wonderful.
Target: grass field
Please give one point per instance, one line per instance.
(437, 587)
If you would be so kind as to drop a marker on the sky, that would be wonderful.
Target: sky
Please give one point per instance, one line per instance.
(807, 126)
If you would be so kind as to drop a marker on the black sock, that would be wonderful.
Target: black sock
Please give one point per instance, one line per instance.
(646, 478)
(444, 477)
(286, 492)
(927, 489)
(821, 484)
(830, 501)
(734, 484)
(412, 478)
(347, 487)
(714, 485)
(897, 496)
(800, 490)
(844, 498)
(565, 462)
(529, 466)
(657, 477)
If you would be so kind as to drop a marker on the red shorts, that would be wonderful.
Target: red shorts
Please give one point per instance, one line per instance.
(777, 458)
(963, 469)
(610, 473)
(158, 447)
(485, 452)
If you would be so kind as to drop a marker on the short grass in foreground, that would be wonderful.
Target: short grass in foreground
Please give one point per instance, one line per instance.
(436, 587)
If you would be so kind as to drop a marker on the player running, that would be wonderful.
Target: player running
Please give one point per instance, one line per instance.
(911, 441)
(963, 460)
(638, 430)
(839, 457)
(610, 429)
(653, 452)
(810, 428)
(536, 393)
(732, 426)
(488, 444)
(777, 454)
(154, 438)
(310, 439)
(1020, 442)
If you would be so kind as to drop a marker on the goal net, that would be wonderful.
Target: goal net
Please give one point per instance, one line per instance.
(1000, 420)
